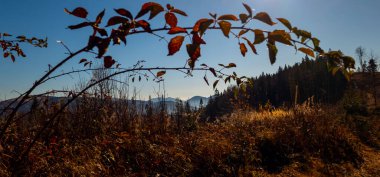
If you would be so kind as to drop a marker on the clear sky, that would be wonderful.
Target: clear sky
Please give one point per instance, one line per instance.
(339, 24)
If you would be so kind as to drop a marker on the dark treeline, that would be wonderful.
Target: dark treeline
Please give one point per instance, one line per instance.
(315, 83)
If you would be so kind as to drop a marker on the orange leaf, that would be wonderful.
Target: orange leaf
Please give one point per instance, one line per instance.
(228, 17)
(161, 73)
(264, 17)
(243, 49)
(307, 51)
(177, 30)
(177, 11)
(175, 44)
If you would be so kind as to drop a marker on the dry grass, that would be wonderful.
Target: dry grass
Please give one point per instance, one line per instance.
(302, 142)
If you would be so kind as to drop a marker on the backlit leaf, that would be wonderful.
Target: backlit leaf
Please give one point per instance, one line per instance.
(253, 48)
(243, 18)
(177, 30)
(152, 7)
(124, 13)
(264, 17)
(226, 27)
(80, 25)
(194, 51)
(202, 25)
(307, 51)
(160, 73)
(171, 19)
(144, 24)
(259, 36)
(243, 49)
(197, 39)
(175, 44)
(280, 36)
(108, 61)
(249, 9)
(285, 22)
(177, 11)
(100, 17)
(116, 20)
(78, 12)
(272, 52)
(228, 17)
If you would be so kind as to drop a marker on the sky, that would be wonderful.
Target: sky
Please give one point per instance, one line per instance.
(339, 24)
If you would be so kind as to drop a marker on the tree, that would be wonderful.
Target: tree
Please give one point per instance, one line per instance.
(124, 24)
(360, 52)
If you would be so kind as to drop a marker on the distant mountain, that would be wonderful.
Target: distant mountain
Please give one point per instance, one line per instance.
(196, 100)
(169, 101)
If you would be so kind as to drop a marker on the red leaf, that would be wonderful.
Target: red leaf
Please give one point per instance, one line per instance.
(177, 11)
(171, 19)
(13, 58)
(194, 51)
(145, 25)
(108, 61)
(116, 20)
(78, 12)
(175, 44)
(6, 54)
(198, 40)
(153, 7)
(80, 25)
(100, 17)
(124, 13)
(176, 30)
(202, 25)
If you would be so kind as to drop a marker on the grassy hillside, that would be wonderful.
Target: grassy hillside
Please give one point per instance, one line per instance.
(307, 141)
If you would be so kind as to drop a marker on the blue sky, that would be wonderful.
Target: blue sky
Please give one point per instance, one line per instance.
(339, 24)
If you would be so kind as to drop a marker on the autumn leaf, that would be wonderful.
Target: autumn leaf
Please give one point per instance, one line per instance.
(197, 39)
(80, 25)
(285, 22)
(108, 61)
(228, 17)
(259, 36)
(225, 27)
(144, 24)
(152, 7)
(307, 51)
(243, 49)
(78, 12)
(176, 30)
(243, 18)
(100, 17)
(175, 44)
(160, 73)
(249, 9)
(116, 20)
(124, 13)
(171, 19)
(194, 51)
(231, 65)
(202, 25)
(280, 36)
(177, 11)
(264, 17)
(253, 48)
(272, 52)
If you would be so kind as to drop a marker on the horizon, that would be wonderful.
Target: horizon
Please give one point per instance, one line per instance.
(339, 24)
